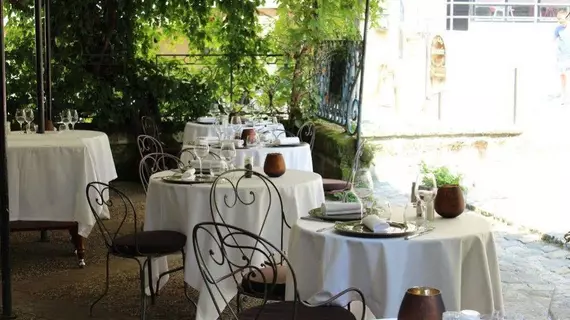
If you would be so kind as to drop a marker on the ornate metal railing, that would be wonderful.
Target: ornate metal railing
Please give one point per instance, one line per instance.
(338, 80)
(238, 78)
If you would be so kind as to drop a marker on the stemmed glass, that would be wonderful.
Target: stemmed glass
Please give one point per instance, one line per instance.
(20, 118)
(65, 118)
(74, 118)
(425, 191)
(363, 187)
(236, 124)
(201, 149)
(29, 118)
(228, 152)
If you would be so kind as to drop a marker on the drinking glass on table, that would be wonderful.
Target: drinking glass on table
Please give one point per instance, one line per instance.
(228, 152)
(425, 191)
(236, 124)
(74, 118)
(363, 187)
(29, 118)
(65, 119)
(21, 118)
(201, 149)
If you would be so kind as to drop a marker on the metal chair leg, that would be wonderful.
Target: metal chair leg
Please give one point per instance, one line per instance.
(238, 302)
(151, 289)
(143, 291)
(106, 287)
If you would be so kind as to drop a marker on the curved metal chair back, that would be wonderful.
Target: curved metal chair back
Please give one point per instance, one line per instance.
(188, 154)
(149, 127)
(148, 144)
(243, 252)
(307, 133)
(99, 195)
(157, 162)
(281, 133)
(232, 191)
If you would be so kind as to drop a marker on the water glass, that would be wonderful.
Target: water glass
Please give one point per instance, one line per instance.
(201, 149)
(29, 118)
(74, 118)
(217, 169)
(228, 152)
(20, 118)
(363, 187)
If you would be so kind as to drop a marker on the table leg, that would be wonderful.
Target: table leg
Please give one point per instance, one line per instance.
(79, 243)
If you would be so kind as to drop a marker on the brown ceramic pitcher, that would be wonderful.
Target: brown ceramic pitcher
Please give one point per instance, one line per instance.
(274, 165)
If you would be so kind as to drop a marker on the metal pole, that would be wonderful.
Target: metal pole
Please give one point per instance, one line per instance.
(40, 67)
(4, 206)
(48, 59)
(515, 95)
(362, 63)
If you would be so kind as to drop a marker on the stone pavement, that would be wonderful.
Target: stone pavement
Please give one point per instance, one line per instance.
(530, 268)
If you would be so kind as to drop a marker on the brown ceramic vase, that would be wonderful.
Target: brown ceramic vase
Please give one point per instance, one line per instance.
(449, 201)
(49, 125)
(274, 165)
(247, 133)
(421, 303)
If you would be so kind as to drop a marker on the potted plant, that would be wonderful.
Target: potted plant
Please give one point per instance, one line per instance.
(449, 201)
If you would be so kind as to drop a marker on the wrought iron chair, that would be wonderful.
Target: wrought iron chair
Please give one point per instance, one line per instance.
(240, 257)
(149, 127)
(307, 133)
(252, 285)
(157, 162)
(137, 245)
(280, 133)
(148, 144)
(337, 186)
(192, 155)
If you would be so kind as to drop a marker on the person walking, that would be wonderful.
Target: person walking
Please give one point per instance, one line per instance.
(562, 39)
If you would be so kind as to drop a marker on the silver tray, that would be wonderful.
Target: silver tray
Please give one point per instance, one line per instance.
(199, 179)
(356, 229)
(318, 213)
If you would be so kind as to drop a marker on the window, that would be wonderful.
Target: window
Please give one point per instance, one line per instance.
(461, 13)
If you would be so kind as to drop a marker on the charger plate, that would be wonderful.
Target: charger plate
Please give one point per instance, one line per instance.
(356, 229)
(198, 180)
(318, 213)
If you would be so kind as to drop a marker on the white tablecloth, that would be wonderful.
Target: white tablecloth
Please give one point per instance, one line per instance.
(48, 173)
(181, 207)
(458, 257)
(193, 130)
(296, 157)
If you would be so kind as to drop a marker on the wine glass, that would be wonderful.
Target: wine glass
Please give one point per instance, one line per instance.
(236, 124)
(20, 118)
(363, 187)
(65, 119)
(425, 191)
(74, 118)
(201, 149)
(228, 152)
(29, 118)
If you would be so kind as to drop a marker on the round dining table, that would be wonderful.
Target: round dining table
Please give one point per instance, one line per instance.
(179, 207)
(194, 130)
(297, 157)
(458, 257)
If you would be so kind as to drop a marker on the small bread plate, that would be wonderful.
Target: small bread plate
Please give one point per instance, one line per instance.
(356, 229)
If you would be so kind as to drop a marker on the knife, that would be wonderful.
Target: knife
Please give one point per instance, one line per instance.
(427, 230)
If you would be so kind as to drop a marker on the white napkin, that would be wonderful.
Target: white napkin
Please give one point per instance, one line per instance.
(208, 139)
(189, 174)
(375, 224)
(207, 119)
(288, 140)
(339, 208)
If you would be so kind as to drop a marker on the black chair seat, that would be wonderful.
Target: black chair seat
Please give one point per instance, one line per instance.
(335, 185)
(150, 243)
(284, 310)
(256, 284)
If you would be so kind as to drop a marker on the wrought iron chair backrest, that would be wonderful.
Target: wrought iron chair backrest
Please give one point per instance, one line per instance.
(230, 191)
(99, 195)
(192, 155)
(307, 133)
(148, 144)
(157, 162)
(242, 258)
(282, 133)
(149, 127)
(242, 252)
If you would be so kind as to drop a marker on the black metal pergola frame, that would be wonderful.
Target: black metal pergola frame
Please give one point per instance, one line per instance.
(44, 104)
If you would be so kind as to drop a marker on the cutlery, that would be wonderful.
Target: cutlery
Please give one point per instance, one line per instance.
(427, 230)
(324, 229)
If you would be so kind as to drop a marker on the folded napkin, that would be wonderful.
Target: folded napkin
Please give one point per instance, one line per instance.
(286, 141)
(375, 224)
(339, 208)
(207, 119)
(189, 174)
